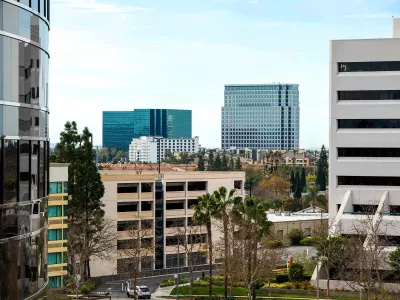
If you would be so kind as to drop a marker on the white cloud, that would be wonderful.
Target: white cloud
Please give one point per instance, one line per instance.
(94, 6)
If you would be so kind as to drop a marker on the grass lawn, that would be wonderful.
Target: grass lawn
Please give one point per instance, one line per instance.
(218, 290)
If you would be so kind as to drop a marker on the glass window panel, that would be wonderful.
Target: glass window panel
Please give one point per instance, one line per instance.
(10, 171)
(41, 170)
(24, 174)
(34, 169)
(54, 282)
(24, 23)
(55, 211)
(65, 186)
(35, 5)
(55, 234)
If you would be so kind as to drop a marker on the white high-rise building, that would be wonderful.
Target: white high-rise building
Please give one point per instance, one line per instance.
(364, 154)
(145, 149)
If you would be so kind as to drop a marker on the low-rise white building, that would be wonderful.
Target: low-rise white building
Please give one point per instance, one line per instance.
(145, 149)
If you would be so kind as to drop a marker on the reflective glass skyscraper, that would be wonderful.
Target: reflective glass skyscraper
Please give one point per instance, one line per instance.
(120, 127)
(261, 116)
(24, 147)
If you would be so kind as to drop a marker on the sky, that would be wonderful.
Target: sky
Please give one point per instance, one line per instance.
(128, 54)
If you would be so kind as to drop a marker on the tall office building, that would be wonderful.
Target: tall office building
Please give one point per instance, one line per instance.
(24, 147)
(261, 116)
(364, 152)
(120, 127)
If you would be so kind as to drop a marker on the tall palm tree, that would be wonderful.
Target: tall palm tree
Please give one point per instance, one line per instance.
(223, 201)
(314, 199)
(204, 210)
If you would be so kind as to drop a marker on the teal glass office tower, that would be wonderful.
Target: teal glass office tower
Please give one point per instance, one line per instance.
(262, 117)
(120, 127)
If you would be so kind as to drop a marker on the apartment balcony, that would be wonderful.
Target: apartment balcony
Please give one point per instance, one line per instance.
(127, 215)
(57, 270)
(129, 234)
(57, 246)
(127, 196)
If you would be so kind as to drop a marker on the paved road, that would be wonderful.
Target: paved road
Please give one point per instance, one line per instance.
(152, 283)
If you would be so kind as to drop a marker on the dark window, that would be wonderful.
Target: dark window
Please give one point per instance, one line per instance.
(197, 186)
(174, 223)
(369, 180)
(10, 163)
(125, 265)
(175, 187)
(127, 207)
(127, 188)
(367, 209)
(198, 258)
(34, 169)
(172, 260)
(146, 242)
(174, 205)
(147, 187)
(368, 123)
(192, 202)
(371, 66)
(24, 175)
(146, 205)
(147, 224)
(127, 225)
(369, 95)
(395, 209)
(42, 176)
(173, 240)
(238, 184)
(197, 238)
(126, 244)
(368, 152)
(146, 264)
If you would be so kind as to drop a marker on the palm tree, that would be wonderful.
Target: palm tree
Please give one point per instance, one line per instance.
(203, 212)
(314, 199)
(223, 201)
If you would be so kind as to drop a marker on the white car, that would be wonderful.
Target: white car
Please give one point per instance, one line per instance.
(141, 291)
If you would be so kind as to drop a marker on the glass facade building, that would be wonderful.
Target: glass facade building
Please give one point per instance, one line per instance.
(120, 127)
(262, 117)
(24, 147)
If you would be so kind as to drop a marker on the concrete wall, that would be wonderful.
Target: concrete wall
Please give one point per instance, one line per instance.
(58, 172)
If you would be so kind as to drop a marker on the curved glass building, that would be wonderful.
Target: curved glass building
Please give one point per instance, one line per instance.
(24, 147)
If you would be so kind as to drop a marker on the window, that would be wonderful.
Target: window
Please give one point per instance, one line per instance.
(175, 187)
(55, 187)
(54, 258)
(172, 260)
(127, 188)
(127, 207)
(146, 224)
(369, 180)
(54, 282)
(368, 152)
(238, 184)
(146, 205)
(368, 123)
(197, 186)
(192, 202)
(10, 163)
(175, 205)
(146, 187)
(65, 233)
(65, 186)
(65, 207)
(126, 244)
(55, 234)
(127, 225)
(55, 211)
(173, 240)
(371, 66)
(175, 223)
(369, 95)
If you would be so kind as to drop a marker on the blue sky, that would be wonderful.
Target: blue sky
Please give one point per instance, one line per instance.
(126, 54)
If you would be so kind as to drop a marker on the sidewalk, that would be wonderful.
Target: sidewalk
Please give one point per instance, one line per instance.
(163, 292)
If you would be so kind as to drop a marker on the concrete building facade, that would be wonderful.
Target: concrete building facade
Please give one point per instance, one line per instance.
(145, 149)
(161, 205)
(364, 156)
(58, 226)
(261, 116)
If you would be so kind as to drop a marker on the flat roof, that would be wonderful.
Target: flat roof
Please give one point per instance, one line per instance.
(262, 84)
(169, 172)
(59, 165)
(296, 217)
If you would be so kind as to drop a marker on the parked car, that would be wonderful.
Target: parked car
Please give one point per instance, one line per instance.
(142, 292)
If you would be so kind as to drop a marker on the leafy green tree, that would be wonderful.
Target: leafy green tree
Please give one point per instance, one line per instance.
(231, 164)
(322, 169)
(292, 181)
(223, 201)
(298, 190)
(200, 163)
(217, 163)
(224, 162)
(210, 166)
(238, 164)
(295, 236)
(85, 185)
(252, 178)
(394, 261)
(204, 210)
(121, 155)
(104, 155)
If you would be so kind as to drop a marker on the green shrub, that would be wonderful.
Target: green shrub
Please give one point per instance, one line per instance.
(309, 241)
(259, 284)
(87, 287)
(281, 278)
(172, 282)
(296, 272)
(214, 297)
(239, 284)
(295, 236)
(273, 244)
(201, 283)
(307, 277)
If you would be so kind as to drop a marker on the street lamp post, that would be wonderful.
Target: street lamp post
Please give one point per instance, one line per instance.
(319, 259)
